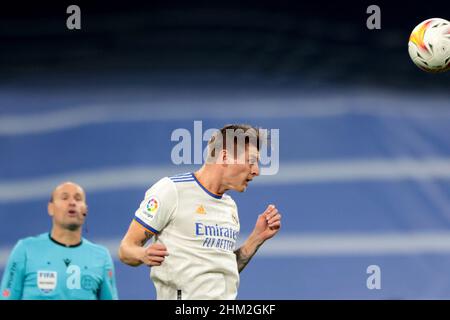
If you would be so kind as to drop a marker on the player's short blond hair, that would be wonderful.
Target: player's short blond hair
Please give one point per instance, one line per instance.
(234, 138)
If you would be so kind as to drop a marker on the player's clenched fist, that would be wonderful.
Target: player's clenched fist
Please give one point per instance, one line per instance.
(268, 223)
(273, 217)
(154, 254)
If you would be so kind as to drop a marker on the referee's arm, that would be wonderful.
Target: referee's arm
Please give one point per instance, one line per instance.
(13, 276)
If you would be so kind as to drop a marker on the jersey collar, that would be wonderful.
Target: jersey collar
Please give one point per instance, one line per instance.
(62, 244)
(216, 196)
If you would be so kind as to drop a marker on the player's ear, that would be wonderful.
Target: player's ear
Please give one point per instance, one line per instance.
(84, 211)
(224, 156)
(50, 209)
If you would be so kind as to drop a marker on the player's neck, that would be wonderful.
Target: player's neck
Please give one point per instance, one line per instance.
(211, 180)
(65, 236)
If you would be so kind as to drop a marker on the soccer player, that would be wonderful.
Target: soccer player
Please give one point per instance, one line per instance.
(60, 264)
(196, 224)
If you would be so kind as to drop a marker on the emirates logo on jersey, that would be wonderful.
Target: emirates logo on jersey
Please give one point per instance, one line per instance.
(216, 236)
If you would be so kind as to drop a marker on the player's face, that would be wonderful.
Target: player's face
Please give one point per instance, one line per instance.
(240, 173)
(68, 208)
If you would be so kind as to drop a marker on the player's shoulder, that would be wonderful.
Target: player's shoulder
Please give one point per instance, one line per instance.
(182, 178)
(183, 182)
(169, 182)
(172, 183)
(226, 197)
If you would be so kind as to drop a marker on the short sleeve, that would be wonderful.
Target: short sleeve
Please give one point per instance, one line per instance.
(13, 276)
(158, 206)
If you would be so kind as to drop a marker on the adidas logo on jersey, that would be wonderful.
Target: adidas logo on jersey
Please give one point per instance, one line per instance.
(200, 210)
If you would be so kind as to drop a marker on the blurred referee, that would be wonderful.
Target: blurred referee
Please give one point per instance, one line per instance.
(61, 264)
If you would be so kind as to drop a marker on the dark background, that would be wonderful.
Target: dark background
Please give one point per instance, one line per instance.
(280, 42)
(364, 133)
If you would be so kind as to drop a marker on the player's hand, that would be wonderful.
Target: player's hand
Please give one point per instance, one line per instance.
(268, 223)
(154, 254)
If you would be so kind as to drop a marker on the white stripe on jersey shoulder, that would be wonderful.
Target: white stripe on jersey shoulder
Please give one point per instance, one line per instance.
(184, 177)
(182, 180)
(187, 174)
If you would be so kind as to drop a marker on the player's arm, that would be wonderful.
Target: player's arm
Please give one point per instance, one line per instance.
(267, 225)
(132, 250)
(152, 216)
(14, 274)
(108, 289)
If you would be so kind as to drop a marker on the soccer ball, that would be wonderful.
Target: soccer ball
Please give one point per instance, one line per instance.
(429, 45)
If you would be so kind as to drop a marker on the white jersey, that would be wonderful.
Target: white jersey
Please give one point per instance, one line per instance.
(200, 230)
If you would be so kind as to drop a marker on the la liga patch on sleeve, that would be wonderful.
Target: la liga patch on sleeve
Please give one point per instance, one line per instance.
(152, 206)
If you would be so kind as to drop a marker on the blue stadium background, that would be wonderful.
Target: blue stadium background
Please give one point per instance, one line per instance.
(364, 135)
